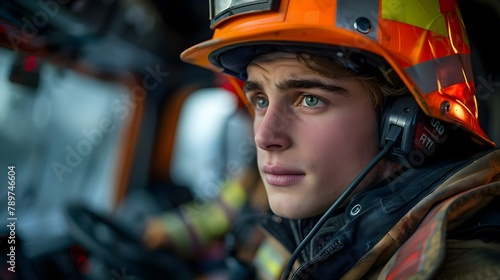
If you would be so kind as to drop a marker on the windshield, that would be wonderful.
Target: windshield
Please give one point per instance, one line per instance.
(62, 137)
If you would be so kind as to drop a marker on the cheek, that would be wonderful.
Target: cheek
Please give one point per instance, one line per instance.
(343, 140)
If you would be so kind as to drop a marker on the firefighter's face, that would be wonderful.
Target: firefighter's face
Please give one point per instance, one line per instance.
(313, 134)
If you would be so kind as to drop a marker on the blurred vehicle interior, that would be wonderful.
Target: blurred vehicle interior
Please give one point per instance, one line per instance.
(106, 126)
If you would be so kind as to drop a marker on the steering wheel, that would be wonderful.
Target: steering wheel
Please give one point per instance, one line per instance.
(119, 248)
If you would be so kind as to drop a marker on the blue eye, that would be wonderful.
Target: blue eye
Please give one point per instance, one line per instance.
(310, 100)
(261, 102)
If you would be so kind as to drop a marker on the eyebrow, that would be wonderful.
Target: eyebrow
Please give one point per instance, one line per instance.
(303, 83)
(296, 84)
(251, 86)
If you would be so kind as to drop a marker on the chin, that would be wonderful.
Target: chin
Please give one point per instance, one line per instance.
(290, 212)
(291, 207)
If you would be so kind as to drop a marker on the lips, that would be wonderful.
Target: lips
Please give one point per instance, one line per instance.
(281, 176)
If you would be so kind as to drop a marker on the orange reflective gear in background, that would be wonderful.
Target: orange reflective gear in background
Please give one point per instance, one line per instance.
(423, 42)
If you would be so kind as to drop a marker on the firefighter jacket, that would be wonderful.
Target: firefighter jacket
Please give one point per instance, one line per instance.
(440, 221)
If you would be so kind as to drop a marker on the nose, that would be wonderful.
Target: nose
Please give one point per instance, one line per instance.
(272, 131)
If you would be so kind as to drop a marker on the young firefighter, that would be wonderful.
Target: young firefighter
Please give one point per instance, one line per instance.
(367, 137)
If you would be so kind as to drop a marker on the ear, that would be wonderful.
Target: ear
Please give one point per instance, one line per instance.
(421, 135)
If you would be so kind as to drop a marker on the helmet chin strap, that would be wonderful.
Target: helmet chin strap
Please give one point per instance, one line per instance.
(392, 137)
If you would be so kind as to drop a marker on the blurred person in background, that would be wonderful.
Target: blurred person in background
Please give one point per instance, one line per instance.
(196, 229)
